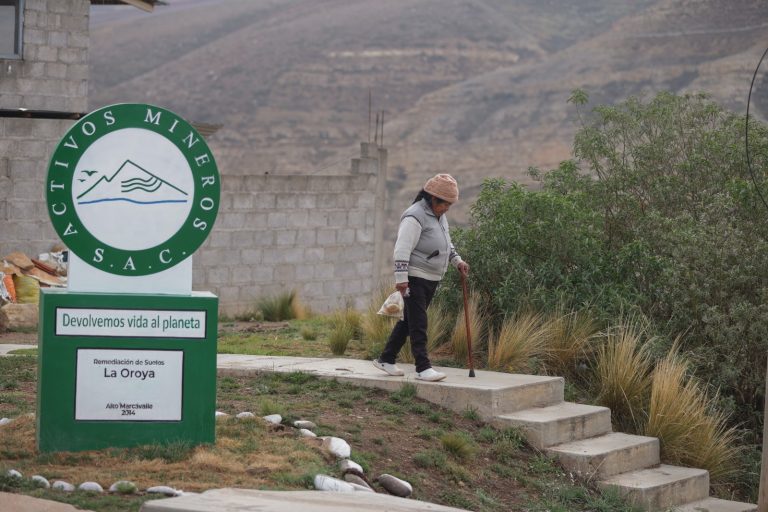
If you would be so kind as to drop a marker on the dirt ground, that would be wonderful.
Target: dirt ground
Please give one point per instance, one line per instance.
(20, 338)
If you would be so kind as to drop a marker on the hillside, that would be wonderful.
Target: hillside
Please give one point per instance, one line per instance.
(475, 87)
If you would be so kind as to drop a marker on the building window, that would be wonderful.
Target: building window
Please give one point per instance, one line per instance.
(11, 24)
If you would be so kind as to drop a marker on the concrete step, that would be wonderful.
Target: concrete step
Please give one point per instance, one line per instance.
(661, 487)
(559, 423)
(716, 505)
(607, 455)
(489, 393)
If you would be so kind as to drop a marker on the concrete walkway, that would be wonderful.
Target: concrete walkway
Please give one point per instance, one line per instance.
(20, 503)
(246, 500)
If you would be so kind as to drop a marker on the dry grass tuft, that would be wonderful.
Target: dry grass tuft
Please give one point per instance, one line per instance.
(570, 336)
(520, 341)
(375, 328)
(683, 417)
(298, 308)
(622, 372)
(345, 325)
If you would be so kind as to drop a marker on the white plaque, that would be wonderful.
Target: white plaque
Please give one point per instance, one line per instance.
(129, 385)
(130, 323)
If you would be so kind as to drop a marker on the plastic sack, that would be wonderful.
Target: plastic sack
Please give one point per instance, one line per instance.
(7, 290)
(393, 306)
(27, 290)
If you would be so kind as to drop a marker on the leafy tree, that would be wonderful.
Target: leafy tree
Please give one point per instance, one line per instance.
(658, 212)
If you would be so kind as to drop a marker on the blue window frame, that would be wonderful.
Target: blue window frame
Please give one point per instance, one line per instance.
(11, 28)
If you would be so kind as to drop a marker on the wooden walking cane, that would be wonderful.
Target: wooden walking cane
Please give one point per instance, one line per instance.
(466, 320)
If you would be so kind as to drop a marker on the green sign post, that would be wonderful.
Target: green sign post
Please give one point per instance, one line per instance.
(128, 351)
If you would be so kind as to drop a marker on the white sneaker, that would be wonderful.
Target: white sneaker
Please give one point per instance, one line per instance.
(391, 369)
(430, 375)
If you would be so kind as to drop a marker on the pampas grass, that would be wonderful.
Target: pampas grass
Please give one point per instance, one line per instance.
(277, 308)
(622, 367)
(570, 336)
(684, 419)
(521, 339)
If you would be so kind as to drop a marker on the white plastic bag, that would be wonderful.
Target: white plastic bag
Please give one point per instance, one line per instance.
(393, 306)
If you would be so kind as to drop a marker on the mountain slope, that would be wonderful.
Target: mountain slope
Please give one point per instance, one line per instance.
(474, 87)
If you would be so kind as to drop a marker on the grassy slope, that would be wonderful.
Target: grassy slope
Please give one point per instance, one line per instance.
(450, 458)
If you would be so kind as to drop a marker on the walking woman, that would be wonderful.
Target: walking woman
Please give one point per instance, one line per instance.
(422, 253)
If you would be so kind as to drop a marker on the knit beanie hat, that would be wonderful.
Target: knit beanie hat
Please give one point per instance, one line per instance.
(443, 186)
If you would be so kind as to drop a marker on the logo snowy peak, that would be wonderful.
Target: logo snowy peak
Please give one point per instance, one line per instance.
(131, 184)
(132, 189)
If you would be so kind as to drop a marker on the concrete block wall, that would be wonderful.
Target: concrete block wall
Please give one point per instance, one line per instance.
(52, 76)
(312, 234)
(53, 73)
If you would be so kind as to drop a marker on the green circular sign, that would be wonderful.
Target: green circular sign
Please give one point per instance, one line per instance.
(132, 189)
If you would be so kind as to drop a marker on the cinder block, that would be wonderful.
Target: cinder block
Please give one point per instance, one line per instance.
(356, 218)
(305, 272)
(55, 70)
(297, 219)
(19, 128)
(218, 275)
(57, 39)
(242, 201)
(345, 237)
(326, 237)
(220, 238)
(285, 273)
(35, 35)
(73, 55)
(232, 220)
(276, 220)
(318, 219)
(241, 238)
(285, 237)
(262, 274)
(337, 219)
(364, 236)
(75, 22)
(314, 254)
(47, 53)
(251, 256)
(306, 237)
(78, 40)
(78, 72)
(29, 190)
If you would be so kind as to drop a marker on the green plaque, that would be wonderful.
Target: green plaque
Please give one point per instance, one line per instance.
(124, 370)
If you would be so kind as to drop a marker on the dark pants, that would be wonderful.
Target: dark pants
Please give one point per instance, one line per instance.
(413, 324)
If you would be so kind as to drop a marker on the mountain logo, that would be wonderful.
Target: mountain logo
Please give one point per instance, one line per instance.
(132, 189)
(132, 184)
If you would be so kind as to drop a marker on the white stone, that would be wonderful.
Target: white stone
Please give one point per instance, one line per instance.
(60, 485)
(328, 483)
(246, 415)
(304, 424)
(361, 488)
(274, 419)
(307, 433)
(163, 489)
(337, 446)
(5, 421)
(90, 487)
(347, 466)
(220, 414)
(13, 473)
(41, 481)
(394, 485)
(123, 487)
